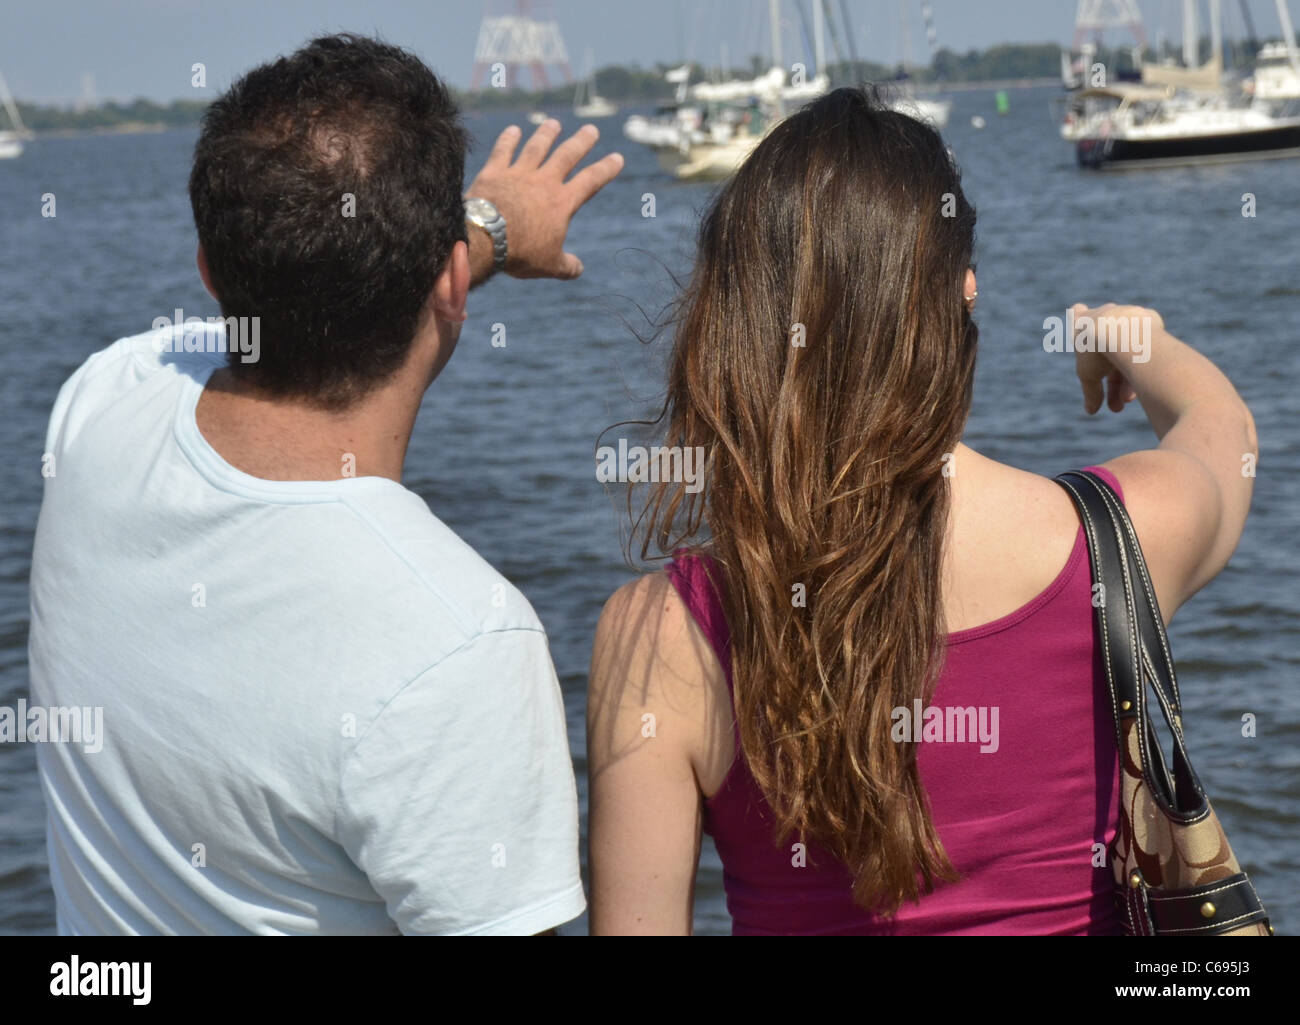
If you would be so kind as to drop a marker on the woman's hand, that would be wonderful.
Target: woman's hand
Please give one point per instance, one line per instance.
(1099, 370)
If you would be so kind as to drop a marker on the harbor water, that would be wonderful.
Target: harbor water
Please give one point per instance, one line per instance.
(504, 447)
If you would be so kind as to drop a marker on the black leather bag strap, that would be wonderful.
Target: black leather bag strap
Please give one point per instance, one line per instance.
(1135, 652)
(1119, 646)
(1135, 648)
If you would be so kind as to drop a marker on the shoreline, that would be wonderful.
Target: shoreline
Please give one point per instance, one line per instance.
(126, 128)
(922, 88)
(468, 107)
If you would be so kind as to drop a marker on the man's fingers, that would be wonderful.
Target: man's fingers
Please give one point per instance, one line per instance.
(594, 177)
(536, 148)
(573, 149)
(503, 150)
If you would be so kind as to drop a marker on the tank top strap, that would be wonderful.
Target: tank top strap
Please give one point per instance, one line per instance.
(1109, 478)
(697, 577)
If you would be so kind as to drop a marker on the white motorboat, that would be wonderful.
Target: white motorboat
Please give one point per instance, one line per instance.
(1277, 66)
(1277, 73)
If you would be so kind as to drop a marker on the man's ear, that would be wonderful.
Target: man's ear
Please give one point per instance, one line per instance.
(451, 288)
(205, 274)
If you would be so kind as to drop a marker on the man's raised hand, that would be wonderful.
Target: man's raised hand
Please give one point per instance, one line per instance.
(536, 201)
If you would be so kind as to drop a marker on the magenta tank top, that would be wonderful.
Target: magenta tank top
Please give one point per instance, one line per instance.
(1019, 823)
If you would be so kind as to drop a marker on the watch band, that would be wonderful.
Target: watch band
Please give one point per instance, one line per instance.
(485, 215)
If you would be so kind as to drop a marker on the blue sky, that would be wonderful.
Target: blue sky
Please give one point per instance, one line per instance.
(146, 47)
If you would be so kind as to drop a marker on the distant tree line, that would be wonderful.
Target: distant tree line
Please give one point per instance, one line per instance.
(638, 85)
(634, 84)
(42, 118)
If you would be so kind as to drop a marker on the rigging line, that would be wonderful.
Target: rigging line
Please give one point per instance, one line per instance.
(848, 32)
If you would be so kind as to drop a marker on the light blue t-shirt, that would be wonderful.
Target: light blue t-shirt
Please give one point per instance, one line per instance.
(322, 711)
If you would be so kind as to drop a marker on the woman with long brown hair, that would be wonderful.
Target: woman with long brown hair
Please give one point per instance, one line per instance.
(869, 671)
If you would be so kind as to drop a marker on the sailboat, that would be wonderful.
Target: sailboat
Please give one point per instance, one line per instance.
(1096, 16)
(1178, 115)
(713, 126)
(903, 97)
(922, 108)
(586, 103)
(11, 141)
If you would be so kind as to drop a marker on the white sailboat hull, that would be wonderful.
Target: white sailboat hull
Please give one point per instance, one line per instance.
(1182, 132)
(10, 145)
(935, 112)
(597, 107)
(710, 161)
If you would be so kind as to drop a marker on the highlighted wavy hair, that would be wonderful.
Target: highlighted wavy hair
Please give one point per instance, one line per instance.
(824, 357)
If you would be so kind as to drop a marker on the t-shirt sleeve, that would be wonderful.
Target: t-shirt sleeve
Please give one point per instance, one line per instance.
(458, 800)
(68, 390)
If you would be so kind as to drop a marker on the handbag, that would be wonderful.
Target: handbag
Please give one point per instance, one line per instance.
(1175, 873)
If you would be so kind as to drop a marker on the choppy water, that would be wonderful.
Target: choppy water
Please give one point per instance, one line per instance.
(503, 449)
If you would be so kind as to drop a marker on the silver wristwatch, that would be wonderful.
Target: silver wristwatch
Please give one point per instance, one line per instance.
(488, 217)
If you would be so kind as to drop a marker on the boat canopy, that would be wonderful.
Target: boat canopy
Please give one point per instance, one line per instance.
(1125, 91)
(766, 87)
(1207, 78)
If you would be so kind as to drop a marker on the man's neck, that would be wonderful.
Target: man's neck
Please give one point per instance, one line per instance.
(276, 439)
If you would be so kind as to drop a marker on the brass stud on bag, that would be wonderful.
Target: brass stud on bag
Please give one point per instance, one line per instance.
(1270, 930)
(1126, 705)
(1207, 910)
(1135, 880)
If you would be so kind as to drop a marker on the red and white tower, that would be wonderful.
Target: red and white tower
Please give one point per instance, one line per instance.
(1094, 17)
(528, 37)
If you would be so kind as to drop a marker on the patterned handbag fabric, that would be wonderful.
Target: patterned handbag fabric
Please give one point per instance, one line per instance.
(1175, 873)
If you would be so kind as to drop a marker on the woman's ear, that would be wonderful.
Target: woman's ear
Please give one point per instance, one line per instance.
(970, 290)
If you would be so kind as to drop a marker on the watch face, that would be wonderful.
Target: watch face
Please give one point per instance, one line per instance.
(480, 208)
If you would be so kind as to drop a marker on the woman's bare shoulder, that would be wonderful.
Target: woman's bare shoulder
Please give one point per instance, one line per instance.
(1012, 534)
(651, 659)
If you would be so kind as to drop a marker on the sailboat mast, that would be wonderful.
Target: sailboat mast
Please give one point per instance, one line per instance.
(1288, 34)
(1191, 35)
(1216, 31)
(774, 17)
(819, 36)
(906, 31)
(10, 106)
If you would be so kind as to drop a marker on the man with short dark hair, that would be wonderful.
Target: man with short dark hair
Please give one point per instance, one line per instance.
(323, 711)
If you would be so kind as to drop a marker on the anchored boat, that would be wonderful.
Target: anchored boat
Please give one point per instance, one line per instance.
(1180, 114)
(11, 140)
(1127, 125)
